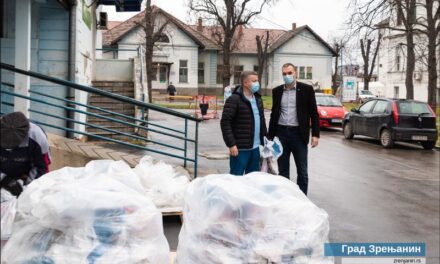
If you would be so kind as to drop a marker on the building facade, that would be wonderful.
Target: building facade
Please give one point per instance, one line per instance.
(190, 58)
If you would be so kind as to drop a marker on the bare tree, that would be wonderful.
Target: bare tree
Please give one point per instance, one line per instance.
(153, 29)
(368, 13)
(430, 27)
(262, 54)
(369, 56)
(228, 15)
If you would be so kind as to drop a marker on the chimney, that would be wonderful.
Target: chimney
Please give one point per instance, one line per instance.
(293, 26)
(200, 25)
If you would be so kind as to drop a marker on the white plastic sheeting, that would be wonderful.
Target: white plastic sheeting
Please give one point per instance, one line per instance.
(258, 218)
(95, 214)
(163, 184)
(8, 210)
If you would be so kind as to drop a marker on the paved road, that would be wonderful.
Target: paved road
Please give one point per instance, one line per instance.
(371, 194)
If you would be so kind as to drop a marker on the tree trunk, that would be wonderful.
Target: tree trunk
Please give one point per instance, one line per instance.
(410, 64)
(226, 59)
(149, 46)
(335, 74)
(432, 59)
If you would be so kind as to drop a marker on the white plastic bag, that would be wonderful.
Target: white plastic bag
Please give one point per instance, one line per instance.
(269, 154)
(257, 218)
(8, 210)
(97, 214)
(162, 183)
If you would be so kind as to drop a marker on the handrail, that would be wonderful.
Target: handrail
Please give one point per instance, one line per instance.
(69, 105)
(99, 92)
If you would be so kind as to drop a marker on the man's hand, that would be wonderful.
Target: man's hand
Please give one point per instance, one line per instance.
(233, 151)
(315, 142)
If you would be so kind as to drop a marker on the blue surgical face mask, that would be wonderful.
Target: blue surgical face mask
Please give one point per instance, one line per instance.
(255, 87)
(288, 79)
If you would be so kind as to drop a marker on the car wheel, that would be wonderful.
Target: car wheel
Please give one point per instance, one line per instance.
(428, 144)
(385, 139)
(348, 131)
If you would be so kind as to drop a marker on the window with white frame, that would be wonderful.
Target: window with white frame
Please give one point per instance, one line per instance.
(201, 73)
(183, 71)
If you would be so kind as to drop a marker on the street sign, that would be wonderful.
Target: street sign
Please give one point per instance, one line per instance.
(349, 89)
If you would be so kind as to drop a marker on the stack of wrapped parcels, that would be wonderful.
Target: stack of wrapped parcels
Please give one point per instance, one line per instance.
(95, 214)
(258, 218)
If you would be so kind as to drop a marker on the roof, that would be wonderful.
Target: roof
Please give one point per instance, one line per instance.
(112, 24)
(112, 36)
(247, 43)
(205, 37)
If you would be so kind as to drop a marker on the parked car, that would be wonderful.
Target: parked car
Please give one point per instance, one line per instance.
(391, 120)
(331, 111)
(365, 95)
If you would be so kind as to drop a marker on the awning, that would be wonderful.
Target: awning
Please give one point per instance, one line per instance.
(123, 5)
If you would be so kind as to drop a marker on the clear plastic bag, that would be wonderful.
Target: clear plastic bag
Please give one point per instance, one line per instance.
(269, 154)
(163, 184)
(258, 218)
(8, 210)
(96, 214)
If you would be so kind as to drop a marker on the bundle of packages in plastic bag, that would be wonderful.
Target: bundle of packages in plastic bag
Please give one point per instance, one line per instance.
(8, 210)
(269, 153)
(163, 184)
(257, 218)
(95, 214)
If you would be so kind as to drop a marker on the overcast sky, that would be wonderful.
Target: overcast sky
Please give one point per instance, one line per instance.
(325, 17)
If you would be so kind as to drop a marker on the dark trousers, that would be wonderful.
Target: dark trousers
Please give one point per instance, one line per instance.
(292, 142)
(247, 161)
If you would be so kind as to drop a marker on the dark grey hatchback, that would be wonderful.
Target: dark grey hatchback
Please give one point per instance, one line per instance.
(391, 120)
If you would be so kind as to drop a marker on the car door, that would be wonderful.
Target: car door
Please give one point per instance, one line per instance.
(360, 125)
(377, 117)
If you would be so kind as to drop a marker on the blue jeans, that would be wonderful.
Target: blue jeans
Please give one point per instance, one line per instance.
(293, 143)
(246, 162)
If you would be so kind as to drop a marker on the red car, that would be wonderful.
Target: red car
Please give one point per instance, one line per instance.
(331, 111)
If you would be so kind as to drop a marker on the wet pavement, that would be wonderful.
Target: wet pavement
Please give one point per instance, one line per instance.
(371, 194)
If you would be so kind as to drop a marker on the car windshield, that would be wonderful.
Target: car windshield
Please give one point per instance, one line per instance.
(366, 92)
(327, 101)
(415, 108)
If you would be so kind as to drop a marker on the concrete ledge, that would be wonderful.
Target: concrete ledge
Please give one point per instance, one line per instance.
(74, 153)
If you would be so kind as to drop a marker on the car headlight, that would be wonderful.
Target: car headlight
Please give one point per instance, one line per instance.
(323, 112)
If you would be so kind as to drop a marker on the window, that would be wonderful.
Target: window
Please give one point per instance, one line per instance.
(163, 74)
(183, 71)
(201, 73)
(163, 38)
(365, 108)
(219, 74)
(296, 71)
(309, 73)
(381, 107)
(398, 63)
(396, 91)
(413, 108)
(256, 68)
(154, 74)
(302, 73)
(399, 17)
(238, 69)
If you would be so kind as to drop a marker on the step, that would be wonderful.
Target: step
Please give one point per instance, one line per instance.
(113, 105)
(97, 121)
(127, 112)
(117, 128)
(112, 136)
(123, 93)
(111, 84)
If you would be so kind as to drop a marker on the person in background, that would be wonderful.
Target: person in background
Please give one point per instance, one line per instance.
(24, 152)
(243, 125)
(227, 93)
(293, 112)
(171, 90)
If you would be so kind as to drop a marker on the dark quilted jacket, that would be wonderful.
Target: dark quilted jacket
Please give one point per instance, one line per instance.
(238, 123)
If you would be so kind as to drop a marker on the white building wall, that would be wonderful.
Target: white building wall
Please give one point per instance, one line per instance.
(303, 51)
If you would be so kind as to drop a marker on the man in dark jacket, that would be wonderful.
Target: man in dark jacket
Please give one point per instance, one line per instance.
(171, 90)
(293, 111)
(24, 152)
(243, 125)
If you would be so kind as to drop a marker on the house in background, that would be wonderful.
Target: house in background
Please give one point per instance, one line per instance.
(392, 61)
(189, 57)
